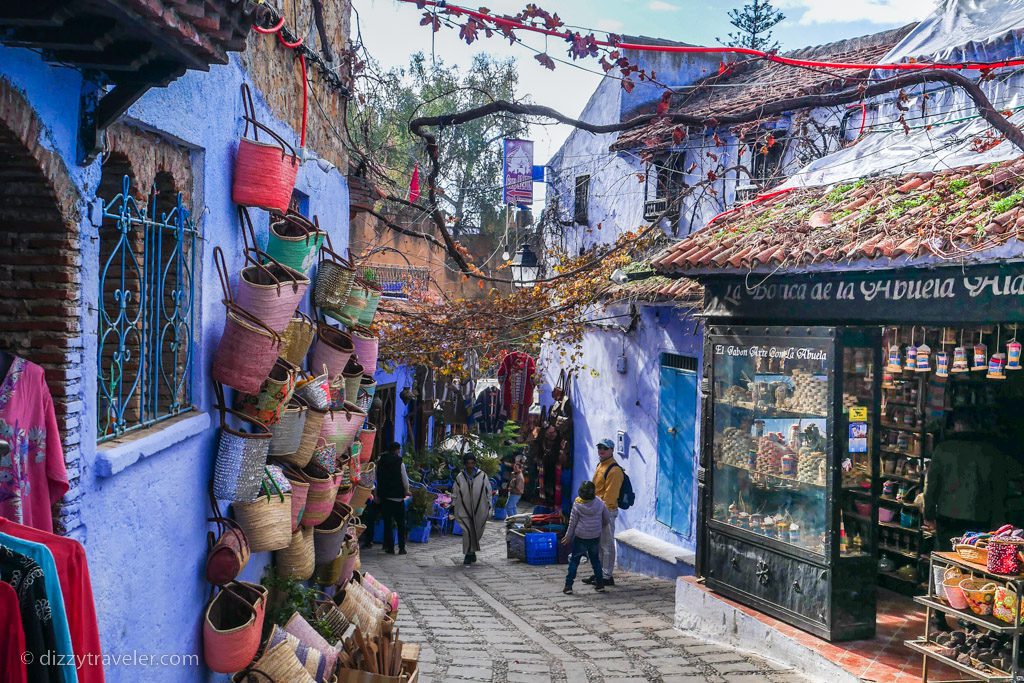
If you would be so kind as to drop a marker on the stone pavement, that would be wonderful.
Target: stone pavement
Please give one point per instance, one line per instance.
(504, 621)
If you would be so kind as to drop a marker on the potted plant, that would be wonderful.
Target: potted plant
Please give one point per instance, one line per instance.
(499, 507)
(421, 506)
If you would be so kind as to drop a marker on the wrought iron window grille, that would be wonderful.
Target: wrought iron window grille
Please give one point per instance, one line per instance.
(146, 312)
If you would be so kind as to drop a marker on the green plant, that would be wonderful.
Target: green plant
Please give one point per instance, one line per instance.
(420, 507)
(838, 192)
(288, 596)
(1006, 203)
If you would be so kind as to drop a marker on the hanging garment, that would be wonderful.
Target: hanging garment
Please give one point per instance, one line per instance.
(76, 587)
(12, 638)
(28, 581)
(39, 554)
(515, 374)
(487, 411)
(32, 476)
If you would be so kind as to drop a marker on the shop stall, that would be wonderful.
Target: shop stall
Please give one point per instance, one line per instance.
(825, 397)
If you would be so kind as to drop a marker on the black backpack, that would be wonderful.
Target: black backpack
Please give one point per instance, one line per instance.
(626, 495)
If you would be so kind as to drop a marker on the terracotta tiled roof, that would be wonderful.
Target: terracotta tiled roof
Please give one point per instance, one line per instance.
(754, 81)
(657, 289)
(956, 213)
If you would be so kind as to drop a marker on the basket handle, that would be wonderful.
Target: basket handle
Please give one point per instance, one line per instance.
(335, 256)
(249, 109)
(297, 219)
(290, 151)
(277, 487)
(222, 273)
(253, 670)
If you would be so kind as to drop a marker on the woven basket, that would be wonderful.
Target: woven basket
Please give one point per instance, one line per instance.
(368, 475)
(324, 462)
(342, 427)
(278, 664)
(271, 292)
(264, 173)
(246, 352)
(360, 496)
(355, 304)
(315, 391)
(298, 627)
(356, 525)
(231, 631)
(296, 561)
(241, 457)
(331, 533)
(294, 242)
(978, 554)
(367, 388)
(374, 294)
(300, 491)
(297, 338)
(229, 554)
(267, 404)
(287, 433)
(367, 435)
(352, 376)
(311, 659)
(319, 501)
(366, 348)
(310, 437)
(334, 279)
(329, 613)
(345, 493)
(350, 557)
(332, 349)
(266, 521)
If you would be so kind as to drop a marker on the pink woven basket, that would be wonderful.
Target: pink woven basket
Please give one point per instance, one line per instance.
(246, 352)
(332, 349)
(264, 172)
(319, 501)
(342, 426)
(366, 349)
(268, 289)
(231, 630)
(367, 435)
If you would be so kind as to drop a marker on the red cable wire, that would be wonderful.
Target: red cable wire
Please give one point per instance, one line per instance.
(302, 67)
(273, 29)
(756, 200)
(688, 49)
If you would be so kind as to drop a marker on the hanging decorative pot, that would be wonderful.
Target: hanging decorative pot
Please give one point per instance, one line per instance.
(264, 172)
(996, 365)
(960, 362)
(294, 241)
(924, 358)
(366, 348)
(980, 358)
(1013, 348)
(942, 364)
(268, 404)
(332, 349)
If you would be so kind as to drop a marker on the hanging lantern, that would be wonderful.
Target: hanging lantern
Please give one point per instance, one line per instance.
(996, 365)
(1013, 355)
(980, 360)
(911, 358)
(960, 359)
(894, 365)
(942, 364)
(924, 358)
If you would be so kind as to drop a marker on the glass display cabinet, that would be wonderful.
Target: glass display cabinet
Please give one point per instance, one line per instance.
(789, 434)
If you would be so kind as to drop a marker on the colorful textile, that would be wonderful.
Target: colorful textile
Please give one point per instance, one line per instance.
(32, 476)
(12, 638)
(76, 587)
(516, 376)
(28, 581)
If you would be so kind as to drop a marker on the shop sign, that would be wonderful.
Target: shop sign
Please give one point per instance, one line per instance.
(978, 294)
(518, 172)
(859, 414)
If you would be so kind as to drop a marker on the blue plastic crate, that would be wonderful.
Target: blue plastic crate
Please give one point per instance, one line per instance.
(420, 534)
(456, 529)
(500, 513)
(541, 548)
(378, 532)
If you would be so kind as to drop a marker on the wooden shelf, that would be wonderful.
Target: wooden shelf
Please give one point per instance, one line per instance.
(928, 650)
(899, 527)
(772, 412)
(954, 559)
(896, 551)
(899, 477)
(991, 623)
(902, 454)
(777, 476)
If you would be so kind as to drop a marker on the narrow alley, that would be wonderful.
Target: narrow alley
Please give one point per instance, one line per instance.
(503, 620)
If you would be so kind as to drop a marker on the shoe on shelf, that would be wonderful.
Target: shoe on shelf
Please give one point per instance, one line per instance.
(467, 560)
(590, 580)
(567, 590)
(401, 551)
(599, 587)
(609, 581)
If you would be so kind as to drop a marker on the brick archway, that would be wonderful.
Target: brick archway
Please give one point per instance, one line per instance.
(41, 268)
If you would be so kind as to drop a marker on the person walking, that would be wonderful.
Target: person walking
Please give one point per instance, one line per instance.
(516, 486)
(471, 505)
(392, 490)
(587, 521)
(608, 476)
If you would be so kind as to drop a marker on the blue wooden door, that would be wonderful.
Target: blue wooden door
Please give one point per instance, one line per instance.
(677, 417)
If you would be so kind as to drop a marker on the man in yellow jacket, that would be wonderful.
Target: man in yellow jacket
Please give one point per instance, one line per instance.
(608, 480)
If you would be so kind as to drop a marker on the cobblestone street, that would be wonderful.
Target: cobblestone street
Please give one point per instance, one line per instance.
(503, 620)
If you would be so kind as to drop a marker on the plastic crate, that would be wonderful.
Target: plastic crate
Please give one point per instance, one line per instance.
(500, 513)
(456, 529)
(378, 532)
(515, 545)
(420, 534)
(541, 548)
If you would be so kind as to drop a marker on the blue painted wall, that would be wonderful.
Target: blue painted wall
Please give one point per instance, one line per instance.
(144, 528)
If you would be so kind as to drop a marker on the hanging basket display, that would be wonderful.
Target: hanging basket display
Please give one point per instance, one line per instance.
(334, 278)
(268, 289)
(373, 296)
(286, 435)
(232, 625)
(342, 426)
(366, 347)
(269, 402)
(367, 388)
(294, 241)
(241, 455)
(265, 172)
(297, 338)
(296, 561)
(367, 435)
(333, 348)
(266, 520)
(320, 501)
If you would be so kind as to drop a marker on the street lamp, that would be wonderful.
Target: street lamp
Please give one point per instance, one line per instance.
(524, 266)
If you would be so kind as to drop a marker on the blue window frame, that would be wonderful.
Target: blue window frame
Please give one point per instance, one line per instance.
(146, 311)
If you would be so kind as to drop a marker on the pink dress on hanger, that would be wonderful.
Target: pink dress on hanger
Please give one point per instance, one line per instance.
(32, 476)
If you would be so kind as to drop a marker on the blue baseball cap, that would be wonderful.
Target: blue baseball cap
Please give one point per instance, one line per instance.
(606, 443)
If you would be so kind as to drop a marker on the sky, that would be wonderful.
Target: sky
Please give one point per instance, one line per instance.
(391, 32)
